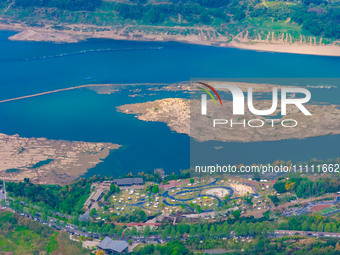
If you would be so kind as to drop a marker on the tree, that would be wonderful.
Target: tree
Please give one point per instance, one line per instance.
(173, 233)
(212, 231)
(93, 212)
(334, 228)
(244, 228)
(305, 226)
(313, 227)
(147, 231)
(236, 214)
(112, 188)
(337, 246)
(192, 180)
(320, 227)
(119, 230)
(155, 15)
(198, 208)
(155, 189)
(127, 232)
(219, 230)
(280, 187)
(237, 231)
(100, 252)
(205, 18)
(274, 199)
(239, 15)
(166, 232)
(328, 227)
(289, 186)
(258, 228)
(72, 5)
(43, 216)
(264, 229)
(271, 230)
(226, 230)
(133, 231)
(192, 231)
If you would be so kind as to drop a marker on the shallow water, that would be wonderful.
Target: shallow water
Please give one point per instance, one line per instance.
(32, 67)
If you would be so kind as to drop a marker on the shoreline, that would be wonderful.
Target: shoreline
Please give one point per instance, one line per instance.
(318, 50)
(47, 34)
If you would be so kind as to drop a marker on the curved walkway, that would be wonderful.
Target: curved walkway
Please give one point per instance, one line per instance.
(194, 189)
(179, 202)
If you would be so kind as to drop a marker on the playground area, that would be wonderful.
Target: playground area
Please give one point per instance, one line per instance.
(201, 195)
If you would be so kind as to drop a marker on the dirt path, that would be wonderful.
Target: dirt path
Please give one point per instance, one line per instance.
(9, 6)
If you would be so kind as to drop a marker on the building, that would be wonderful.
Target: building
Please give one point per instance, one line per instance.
(112, 246)
(160, 171)
(128, 181)
(94, 197)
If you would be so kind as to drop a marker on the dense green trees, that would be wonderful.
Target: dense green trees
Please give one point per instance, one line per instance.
(73, 5)
(153, 189)
(311, 223)
(35, 193)
(304, 187)
(169, 248)
(68, 199)
(316, 17)
(136, 216)
(202, 11)
(274, 199)
(93, 212)
(113, 189)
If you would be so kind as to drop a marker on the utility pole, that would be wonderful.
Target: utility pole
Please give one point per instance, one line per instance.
(4, 184)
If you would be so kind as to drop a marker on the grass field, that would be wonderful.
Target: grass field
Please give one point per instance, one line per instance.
(24, 236)
(327, 210)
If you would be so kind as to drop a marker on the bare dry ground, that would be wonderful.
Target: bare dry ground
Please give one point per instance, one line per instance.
(48, 161)
(317, 208)
(184, 116)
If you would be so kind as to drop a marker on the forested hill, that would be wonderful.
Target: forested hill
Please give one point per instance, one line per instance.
(319, 18)
(73, 5)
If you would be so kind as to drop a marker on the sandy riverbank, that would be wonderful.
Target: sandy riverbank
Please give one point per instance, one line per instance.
(323, 50)
(79, 32)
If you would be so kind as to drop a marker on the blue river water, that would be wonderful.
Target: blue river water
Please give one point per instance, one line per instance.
(84, 115)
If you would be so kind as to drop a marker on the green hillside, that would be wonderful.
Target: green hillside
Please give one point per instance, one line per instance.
(254, 19)
(25, 236)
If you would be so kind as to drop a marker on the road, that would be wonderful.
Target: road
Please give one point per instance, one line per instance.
(74, 230)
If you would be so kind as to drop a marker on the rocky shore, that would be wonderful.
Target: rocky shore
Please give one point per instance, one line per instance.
(47, 161)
